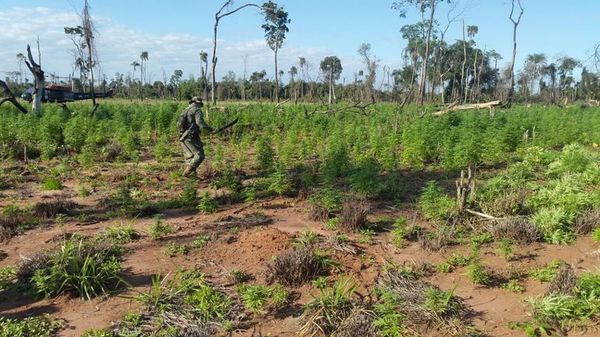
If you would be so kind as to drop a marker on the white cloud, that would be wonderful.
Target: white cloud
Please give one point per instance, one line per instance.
(118, 46)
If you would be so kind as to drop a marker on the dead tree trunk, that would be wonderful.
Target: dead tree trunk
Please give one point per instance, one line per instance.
(453, 107)
(511, 91)
(330, 84)
(426, 57)
(40, 81)
(464, 188)
(89, 40)
(276, 78)
(10, 97)
(218, 16)
(464, 80)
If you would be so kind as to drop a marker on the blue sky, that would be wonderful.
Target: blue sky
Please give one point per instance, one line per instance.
(175, 31)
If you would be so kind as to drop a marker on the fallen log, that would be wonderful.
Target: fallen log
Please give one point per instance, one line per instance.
(482, 215)
(490, 105)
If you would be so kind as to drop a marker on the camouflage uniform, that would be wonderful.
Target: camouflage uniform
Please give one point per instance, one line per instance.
(190, 138)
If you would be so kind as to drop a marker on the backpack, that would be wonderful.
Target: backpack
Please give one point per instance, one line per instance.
(183, 122)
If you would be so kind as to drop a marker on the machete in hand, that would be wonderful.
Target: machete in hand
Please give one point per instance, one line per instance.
(227, 126)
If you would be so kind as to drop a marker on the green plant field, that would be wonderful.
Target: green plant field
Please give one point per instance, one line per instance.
(352, 182)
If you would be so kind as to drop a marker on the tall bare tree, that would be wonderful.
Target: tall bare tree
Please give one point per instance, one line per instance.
(40, 81)
(88, 33)
(371, 62)
(220, 14)
(293, 72)
(204, 70)
(516, 20)
(143, 60)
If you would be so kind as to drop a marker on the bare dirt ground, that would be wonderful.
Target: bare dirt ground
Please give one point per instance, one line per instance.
(250, 249)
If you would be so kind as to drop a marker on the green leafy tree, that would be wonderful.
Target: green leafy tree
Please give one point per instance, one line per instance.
(566, 66)
(423, 6)
(534, 67)
(276, 21)
(331, 67)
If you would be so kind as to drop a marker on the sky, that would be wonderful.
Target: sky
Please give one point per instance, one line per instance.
(174, 32)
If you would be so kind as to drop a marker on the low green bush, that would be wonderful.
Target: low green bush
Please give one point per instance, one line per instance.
(38, 326)
(79, 267)
(434, 203)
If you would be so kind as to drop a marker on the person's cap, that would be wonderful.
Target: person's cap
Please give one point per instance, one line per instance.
(196, 99)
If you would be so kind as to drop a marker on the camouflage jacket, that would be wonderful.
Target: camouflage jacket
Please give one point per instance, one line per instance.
(195, 120)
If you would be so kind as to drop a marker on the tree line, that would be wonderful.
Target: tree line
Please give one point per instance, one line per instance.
(434, 69)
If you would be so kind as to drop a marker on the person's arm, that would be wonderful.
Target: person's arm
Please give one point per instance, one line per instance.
(200, 121)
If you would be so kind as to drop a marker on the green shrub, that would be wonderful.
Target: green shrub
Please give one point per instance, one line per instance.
(52, 184)
(229, 181)
(279, 183)
(83, 191)
(160, 229)
(306, 238)
(514, 286)
(119, 234)
(82, 268)
(97, 333)
(506, 249)
(161, 150)
(458, 260)
(402, 231)
(568, 193)
(336, 162)
(329, 308)
(7, 277)
(478, 273)
(574, 158)
(331, 224)
(201, 241)
(210, 303)
(123, 202)
(174, 249)
(264, 154)
(324, 203)
(207, 204)
(256, 298)
(441, 302)
(366, 236)
(555, 224)
(434, 203)
(547, 273)
(38, 326)
(563, 311)
(365, 179)
(480, 239)
(389, 321)
(189, 195)
(596, 235)
(238, 275)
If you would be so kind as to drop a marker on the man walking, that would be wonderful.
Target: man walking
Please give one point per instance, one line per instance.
(190, 122)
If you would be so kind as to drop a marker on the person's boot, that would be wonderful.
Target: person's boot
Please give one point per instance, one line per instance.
(187, 171)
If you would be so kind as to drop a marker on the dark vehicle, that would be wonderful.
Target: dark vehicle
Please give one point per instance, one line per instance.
(62, 94)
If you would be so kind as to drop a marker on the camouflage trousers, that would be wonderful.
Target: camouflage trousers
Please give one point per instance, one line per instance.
(194, 152)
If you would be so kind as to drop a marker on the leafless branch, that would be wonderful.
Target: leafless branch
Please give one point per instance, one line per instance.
(10, 97)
